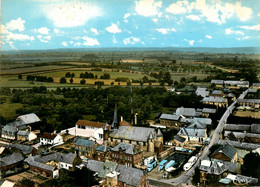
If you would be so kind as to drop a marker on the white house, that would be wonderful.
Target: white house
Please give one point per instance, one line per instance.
(50, 139)
(26, 135)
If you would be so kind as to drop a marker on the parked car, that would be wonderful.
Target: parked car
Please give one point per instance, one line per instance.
(190, 163)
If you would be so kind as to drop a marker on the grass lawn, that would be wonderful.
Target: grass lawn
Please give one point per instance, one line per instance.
(7, 110)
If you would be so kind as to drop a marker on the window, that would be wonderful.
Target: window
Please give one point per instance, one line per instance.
(100, 136)
(144, 143)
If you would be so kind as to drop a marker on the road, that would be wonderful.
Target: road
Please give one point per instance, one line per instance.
(185, 177)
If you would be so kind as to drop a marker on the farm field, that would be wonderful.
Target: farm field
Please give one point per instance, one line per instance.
(8, 110)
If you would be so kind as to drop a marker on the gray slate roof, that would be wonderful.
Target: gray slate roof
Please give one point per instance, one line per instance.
(255, 128)
(237, 127)
(240, 145)
(209, 110)
(132, 133)
(214, 99)
(23, 133)
(190, 132)
(242, 135)
(11, 159)
(189, 112)
(126, 148)
(179, 138)
(217, 82)
(197, 125)
(25, 149)
(29, 118)
(256, 84)
(129, 175)
(94, 165)
(256, 101)
(216, 92)
(170, 117)
(202, 92)
(68, 158)
(103, 148)
(227, 150)
(206, 121)
(84, 142)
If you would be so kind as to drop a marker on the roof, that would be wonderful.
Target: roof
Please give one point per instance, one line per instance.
(214, 99)
(256, 84)
(217, 81)
(48, 136)
(29, 118)
(84, 142)
(227, 150)
(107, 168)
(90, 123)
(216, 92)
(94, 165)
(132, 133)
(209, 110)
(126, 148)
(251, 90)
(68, 158)
(23, 133)
(25, 149)
(103, 148)
(31, 160)
(255, 128)
(202, 92)
(242, 134)
(170, 117)
(129, 175)
(124, 123)
(191, 132)
(179, 138)
(11, 159)
(256, 101)
(206, 121)
(240, 145)
(159, 133)
(230, 95)
(190, 112)
(237, 127)
(197, 125)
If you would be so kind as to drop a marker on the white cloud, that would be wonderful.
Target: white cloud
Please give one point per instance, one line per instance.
(43, 30)
(254, 27)
(258, 14)
(131, 40)
(57, 31)
(193, 17)
(20, 37)
(90, 41)
(127, 15)
(94, 31)
(208, 36)
(114, 39)
(230, 31)
(165, 30)
(113, 28)
(71, 42)
(148, 7)
(200, 41)
(191, 42)
(244, 38)
(3, 29)
(77, 44)
(17, 24)
(70, 14)
(155, 20)
(212, 11)
(180, 7)
(64, 44)
(44, 39)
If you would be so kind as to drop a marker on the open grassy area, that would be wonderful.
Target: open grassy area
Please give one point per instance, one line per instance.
(7, 110)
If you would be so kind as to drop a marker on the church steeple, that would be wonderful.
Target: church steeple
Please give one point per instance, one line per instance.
(115, 119)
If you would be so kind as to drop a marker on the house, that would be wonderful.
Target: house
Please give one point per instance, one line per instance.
(249, 103)
(217, 101)
(202, 92)
(179, 141)
(217, 93)
(226, 153)
(236, 84)
(69, 161)
(218, 83)
(26, 135)
(11, 161)
(186, 112)
(113, 174)
(24, 149)
(126, 154)
(170, 120)
(208, 111)
(142, 137)
(50, 139)
(85, 147)
(49, 165)
(102, 152)
(29, 118)
(10, 130)
(193, 135)
(206, 121)
(256, 85)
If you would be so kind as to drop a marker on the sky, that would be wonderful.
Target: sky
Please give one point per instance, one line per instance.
(52, 24)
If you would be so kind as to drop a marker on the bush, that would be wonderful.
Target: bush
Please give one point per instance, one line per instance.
(83, 81)
(63, 80)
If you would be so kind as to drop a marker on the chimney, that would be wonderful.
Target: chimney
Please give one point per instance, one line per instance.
(54, 132)
(122, 118)
(136, 114)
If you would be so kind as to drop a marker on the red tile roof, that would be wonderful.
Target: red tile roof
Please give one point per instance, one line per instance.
(90, 123)
(48, 136)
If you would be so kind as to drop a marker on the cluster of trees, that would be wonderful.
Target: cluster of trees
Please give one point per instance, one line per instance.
(61, 108)
(105, 76)
(163, 77)
(69, 75)
(87, 75)
(39, 78)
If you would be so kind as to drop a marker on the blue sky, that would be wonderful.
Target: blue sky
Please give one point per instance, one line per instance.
(50, 24)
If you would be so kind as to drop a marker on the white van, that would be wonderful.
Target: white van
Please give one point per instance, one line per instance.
(190, 163)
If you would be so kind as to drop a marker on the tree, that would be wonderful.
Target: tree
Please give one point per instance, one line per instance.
(251, 166)
(71, 80)
(72, 75)
(67, 75)
(83, 81)
(145, 79)
(63, 80)
(20, 76)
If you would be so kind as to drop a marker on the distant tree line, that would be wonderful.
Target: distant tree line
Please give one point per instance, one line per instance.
(39, 78)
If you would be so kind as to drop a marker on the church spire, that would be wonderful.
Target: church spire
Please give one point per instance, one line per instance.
(115, 120)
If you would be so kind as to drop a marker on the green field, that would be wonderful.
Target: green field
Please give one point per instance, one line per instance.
(8, 110)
